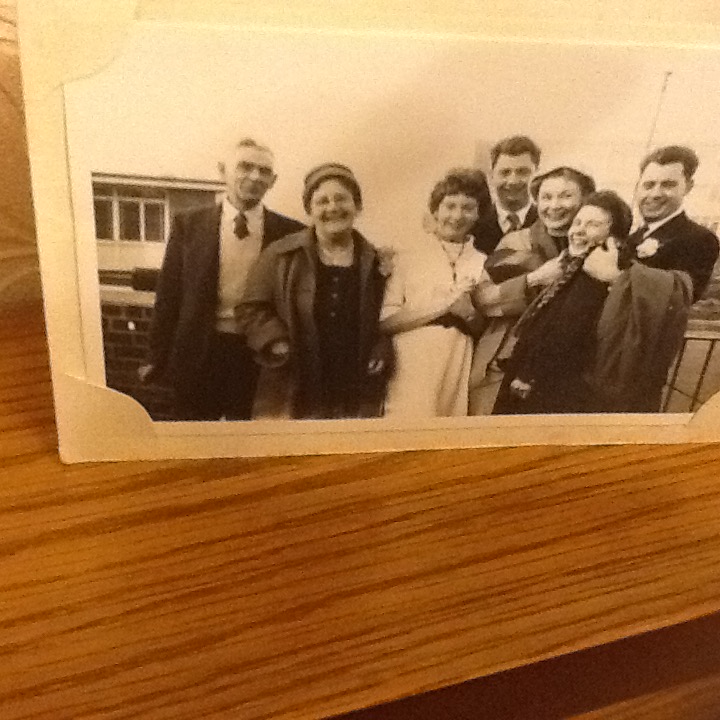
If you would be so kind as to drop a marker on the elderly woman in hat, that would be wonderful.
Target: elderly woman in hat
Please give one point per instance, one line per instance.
(523, 263)
(311, 311)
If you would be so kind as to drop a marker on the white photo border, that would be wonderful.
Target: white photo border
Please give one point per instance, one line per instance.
(97, 423)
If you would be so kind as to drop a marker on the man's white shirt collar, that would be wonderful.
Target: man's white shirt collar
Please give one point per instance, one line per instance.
(653, 226)
(504, 214)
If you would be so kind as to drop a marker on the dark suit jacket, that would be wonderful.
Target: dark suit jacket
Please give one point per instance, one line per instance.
(187, 290)
(487, 231)
(685, 245)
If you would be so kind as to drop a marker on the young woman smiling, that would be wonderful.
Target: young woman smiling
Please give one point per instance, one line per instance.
(428, 308)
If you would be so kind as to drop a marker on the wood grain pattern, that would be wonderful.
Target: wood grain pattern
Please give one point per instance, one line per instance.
(698, 700)
(668, 674)
(299, 588)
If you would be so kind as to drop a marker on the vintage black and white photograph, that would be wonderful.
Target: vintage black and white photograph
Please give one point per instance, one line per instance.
(328, 226)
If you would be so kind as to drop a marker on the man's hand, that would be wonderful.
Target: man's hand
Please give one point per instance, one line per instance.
(520, 388)
(602, 264)
(545, 274)
(145, 372)
(274, 355)
(375, 366)
(280, 350)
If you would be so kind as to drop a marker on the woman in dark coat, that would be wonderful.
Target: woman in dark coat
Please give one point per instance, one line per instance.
(311, 311)
(555, 339)
(523, 263)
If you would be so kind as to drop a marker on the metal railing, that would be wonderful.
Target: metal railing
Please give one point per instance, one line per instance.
(695, 375)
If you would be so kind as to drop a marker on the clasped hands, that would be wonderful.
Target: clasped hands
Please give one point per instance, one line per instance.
(459, 302)
(463, 308)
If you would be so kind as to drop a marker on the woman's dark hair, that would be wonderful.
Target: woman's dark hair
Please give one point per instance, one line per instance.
(461, 181)
(583, 181)
(618, 210)
(331, 171)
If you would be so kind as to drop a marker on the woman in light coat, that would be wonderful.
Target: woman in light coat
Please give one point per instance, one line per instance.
(427, 308)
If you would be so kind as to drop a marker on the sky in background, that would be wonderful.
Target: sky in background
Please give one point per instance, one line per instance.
(399, 110)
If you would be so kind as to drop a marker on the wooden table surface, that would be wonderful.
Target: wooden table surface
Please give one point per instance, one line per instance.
(303, 587)
(299, 588)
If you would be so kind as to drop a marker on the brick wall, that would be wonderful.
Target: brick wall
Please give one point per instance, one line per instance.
(126, 326)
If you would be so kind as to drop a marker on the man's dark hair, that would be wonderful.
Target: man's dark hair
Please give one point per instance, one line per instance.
(673, 154)
(515, 145)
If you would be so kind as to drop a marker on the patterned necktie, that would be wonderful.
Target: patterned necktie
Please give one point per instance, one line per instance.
(513, 222)
(241, 226)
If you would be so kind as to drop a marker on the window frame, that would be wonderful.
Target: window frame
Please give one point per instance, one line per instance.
(116, 197)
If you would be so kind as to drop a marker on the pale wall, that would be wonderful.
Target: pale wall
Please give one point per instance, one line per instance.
(399, 111)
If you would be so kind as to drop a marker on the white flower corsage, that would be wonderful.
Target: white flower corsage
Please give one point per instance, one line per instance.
(647, 248)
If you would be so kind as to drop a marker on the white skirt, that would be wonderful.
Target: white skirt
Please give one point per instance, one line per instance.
(432, 371)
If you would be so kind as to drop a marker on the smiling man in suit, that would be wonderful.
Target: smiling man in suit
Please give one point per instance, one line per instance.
(195, 343)
(645, 316)
(514, 162)
(671, 239)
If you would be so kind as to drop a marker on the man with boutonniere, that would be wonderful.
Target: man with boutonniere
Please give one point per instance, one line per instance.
(645, 316)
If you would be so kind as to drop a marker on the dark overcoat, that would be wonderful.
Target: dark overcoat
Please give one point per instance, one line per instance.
(187, 293)
(686, 246)
(279, 304)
